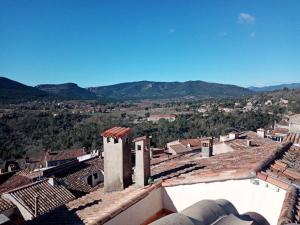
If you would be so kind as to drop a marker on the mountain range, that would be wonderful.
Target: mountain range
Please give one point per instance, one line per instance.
(14, 91)
(169, 90)
(67, 91)
(275, 87)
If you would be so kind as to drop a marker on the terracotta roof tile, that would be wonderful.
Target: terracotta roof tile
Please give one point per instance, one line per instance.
(116, 132)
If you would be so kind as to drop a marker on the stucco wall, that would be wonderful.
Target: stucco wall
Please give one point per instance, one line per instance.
(139, 212)
(242, 193)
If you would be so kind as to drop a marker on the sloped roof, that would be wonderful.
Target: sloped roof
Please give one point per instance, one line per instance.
(193, 142)
(284, 169)
(280, 131)
(290, 211)
(139, 139)
(5, 205)
(240, 163)
(292, 137)
(116, 132)
(72, 178)
(179, 148)
(49, 197)
(11, 183)
(64, 155)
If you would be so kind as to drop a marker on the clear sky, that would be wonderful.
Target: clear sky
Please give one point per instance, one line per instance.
(93, 43)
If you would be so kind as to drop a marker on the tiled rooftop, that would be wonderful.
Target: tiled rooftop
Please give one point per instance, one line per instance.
(294, 138)
(94, 208)
(193, 168)
(116, 132)
(283, 169)
(72, 178)
(12, 183)
(290, 212)
(97, 207)
(5, 205)
(49, 196)
(65, 154)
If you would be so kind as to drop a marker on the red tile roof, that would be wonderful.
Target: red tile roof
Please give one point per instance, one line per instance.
(116, 132)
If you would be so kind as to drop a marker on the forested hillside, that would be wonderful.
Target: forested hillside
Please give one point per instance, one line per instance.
(28, 133)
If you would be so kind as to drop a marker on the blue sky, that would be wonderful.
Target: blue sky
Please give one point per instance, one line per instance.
(92, 43)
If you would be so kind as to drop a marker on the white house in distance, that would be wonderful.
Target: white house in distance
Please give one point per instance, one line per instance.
(156, 118)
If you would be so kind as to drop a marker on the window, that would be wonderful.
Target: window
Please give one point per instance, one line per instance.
(108, 139)
(90, 180)
(139, 147)
(95, 175)
(205, 144)
(116, 140)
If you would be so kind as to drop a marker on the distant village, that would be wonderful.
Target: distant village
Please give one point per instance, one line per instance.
(129, 181)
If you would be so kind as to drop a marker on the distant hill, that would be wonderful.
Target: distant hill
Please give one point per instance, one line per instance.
(164, 90)
(11, 90)
(69, 91)
(14, 91)
(275, 87)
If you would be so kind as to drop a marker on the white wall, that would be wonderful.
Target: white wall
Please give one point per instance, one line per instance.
(242, 193)
(139, 212)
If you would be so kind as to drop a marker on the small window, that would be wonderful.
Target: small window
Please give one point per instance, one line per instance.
(205, 144)
(95, 175)
(90, 180)
(116, 140)
(108, 139)
(139, 147)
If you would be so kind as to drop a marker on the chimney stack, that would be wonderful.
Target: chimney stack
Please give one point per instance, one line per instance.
(142, 160)
(261, 132)
(117, 159)
(207, 147)
(249, 143)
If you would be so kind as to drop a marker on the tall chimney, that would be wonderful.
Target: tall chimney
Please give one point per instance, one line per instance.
(117, 159)
(142, 160)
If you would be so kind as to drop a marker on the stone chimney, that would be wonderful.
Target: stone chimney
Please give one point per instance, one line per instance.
(261, 132)
(207, 147)
(142, 160)
(249, 143)
(117, 159)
